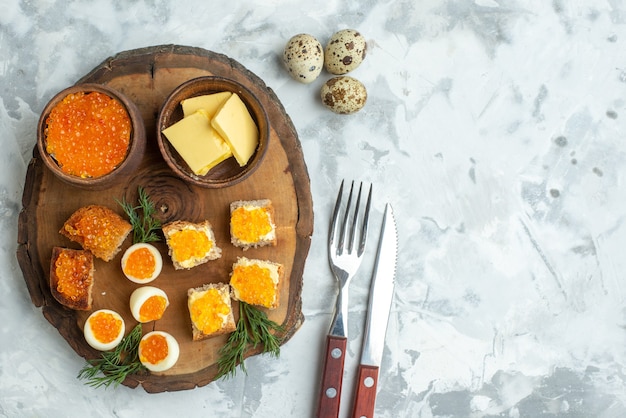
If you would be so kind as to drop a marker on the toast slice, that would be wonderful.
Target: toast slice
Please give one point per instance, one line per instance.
(257, 282)
(210, 311)
(72, 277)
(97, 229)
(190, 244)
(252, 223)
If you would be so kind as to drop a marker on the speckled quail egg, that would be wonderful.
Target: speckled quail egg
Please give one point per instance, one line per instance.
(104, 329)
(304, 58)
(158, 351)
(344, 95)
(344, 52)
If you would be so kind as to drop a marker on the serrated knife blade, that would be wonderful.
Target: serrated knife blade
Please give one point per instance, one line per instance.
(379, 306)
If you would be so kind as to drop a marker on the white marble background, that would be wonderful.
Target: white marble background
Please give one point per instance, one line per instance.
(494, 127)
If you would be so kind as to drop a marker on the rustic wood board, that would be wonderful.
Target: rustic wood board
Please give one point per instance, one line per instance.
(147, 76)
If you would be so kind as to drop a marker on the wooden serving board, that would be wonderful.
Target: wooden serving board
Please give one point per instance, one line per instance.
(147, 76)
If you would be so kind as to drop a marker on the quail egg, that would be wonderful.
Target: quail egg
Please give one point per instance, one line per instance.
(148, 303)
(142, 263)
(304, 58)
(158, 351)
(104, 329)
(344, 95)
(344, 52)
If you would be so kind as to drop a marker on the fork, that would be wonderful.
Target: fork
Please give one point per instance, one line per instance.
(344, 259)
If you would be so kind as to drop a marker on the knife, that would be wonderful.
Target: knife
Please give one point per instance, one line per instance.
(380, 297)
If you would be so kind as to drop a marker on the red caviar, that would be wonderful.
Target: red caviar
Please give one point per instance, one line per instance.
(105, 326)
(250, 225)
(98, 231)
(189, 243)
(73, 272)
(140, 264)
(254, 284)
(153, 308)
(208, 310)
(88, 134)
(153, 349)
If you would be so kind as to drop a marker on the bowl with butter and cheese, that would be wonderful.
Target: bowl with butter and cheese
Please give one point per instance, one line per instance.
(212, 131)
(91, 136)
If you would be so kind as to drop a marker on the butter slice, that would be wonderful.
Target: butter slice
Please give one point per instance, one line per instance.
(197, 142)
(234, 123)
(209, 102)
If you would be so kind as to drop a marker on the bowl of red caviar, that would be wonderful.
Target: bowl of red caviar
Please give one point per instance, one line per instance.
(91, 136)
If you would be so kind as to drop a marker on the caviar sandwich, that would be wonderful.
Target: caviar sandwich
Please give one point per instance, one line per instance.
(72, 277)
(210, 310)
(252, 223)
(97, 229)
(190, 244)
(257, 282)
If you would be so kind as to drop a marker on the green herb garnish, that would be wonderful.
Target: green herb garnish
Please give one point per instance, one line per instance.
(253, 328)
(141, 217)
(114, 366)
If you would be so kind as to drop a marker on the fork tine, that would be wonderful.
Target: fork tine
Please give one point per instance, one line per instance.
(340, 230)
(365, 222)
(355, 220)
(344, 222)
(333, 223)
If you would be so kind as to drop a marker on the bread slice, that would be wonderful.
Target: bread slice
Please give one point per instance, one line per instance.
(210, 311)
(97, 229)
(252, 223)
(72, 277)
(257, 282)
(190, 244)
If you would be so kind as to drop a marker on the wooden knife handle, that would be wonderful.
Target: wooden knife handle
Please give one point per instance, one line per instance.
(332, 377)
(365, 398)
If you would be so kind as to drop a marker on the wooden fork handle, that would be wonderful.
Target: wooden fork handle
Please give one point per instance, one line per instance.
(332, 377)
(365, 398)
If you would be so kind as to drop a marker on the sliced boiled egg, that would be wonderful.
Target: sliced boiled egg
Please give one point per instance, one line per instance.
(104, 329)
(148, 303)
(142, 263)
(158, 351)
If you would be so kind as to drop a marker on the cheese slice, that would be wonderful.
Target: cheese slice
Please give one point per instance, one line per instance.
(197, 142)
(208, 102)
(236, 126)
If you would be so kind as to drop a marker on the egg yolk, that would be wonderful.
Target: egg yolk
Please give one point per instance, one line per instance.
(250, 225)
(208, 310)
(254, 284)
(153, 349)
(152, 309)
(73, 273)
(105, 327)
(189, 243)
(140, 264)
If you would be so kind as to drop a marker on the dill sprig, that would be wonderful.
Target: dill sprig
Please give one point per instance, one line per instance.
(253, 328)
(114, 366)
(141, 217)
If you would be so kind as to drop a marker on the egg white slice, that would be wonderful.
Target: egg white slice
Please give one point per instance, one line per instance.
(141, 295)
(95, 342)
(158, 261)
(169, 361)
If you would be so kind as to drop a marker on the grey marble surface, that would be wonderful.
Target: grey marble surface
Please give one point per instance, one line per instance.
(494, 127)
